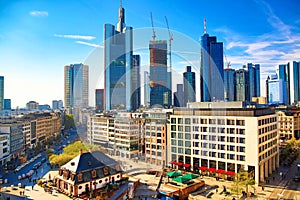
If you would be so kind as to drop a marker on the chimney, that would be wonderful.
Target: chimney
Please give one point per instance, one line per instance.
(80, 152)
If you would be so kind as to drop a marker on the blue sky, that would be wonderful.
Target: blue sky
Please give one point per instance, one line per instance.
(39, 37)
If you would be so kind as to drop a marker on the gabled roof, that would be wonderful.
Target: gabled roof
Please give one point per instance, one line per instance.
(88, 161)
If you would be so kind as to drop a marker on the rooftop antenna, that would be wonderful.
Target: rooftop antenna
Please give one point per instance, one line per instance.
(120, 3)
(204, 25)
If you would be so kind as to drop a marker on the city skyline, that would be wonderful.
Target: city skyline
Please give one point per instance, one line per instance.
(39, 38)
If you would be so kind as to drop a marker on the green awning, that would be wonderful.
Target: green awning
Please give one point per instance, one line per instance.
(180, 179)
(173, 174)
(190, 176)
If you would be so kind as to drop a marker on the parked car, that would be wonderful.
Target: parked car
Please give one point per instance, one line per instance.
(43, 160)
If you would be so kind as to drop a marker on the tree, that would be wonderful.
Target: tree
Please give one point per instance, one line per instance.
(49, 152)
(69, 121)
(242, 181)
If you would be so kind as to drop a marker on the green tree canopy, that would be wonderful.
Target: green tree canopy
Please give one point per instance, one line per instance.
(242, 181)
(69, 121)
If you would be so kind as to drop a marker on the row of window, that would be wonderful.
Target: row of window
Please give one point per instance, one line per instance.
(267, 137)
(266, 121)
(267, 154)
(239, 122)
(267, 146)
(267, 129)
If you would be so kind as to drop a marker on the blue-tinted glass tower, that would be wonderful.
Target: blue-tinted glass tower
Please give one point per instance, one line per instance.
(211, 69)
(99, 95)
(159, 76)
(178, 96)
(294, 81)
(229, 85)
(136, 83)
(189, 85)
(242, 85)
(7, 104)
(254, 80)
(118, 64)
(1, 92)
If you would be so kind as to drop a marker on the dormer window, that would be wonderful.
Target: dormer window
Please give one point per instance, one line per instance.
(90, 163)
(79, 177)
(105, 171)
(94, 173)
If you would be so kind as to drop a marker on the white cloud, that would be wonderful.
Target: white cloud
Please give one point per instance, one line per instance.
(78, 37)
(38, 13)
(90, 44)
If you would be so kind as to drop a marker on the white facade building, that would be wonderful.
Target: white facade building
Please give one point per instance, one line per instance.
(229, 139)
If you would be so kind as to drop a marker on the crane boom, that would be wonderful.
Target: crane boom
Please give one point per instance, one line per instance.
(153, 31)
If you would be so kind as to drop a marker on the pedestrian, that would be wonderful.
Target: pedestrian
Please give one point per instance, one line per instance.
(20, 193)
(263, 188)
(273, 178)
(32, 187)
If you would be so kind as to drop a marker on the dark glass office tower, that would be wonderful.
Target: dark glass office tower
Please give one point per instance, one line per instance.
(159, 76)
(118, 64)
(76, 87)
(229, 85)
(189, 85)
(99, 94)
(254, 80)
(242, 85)
(178, 96)
(211, 69)
(136, 83)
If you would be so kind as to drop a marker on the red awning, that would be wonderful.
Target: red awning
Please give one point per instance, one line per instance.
(203, 168)
(231, 173)
(173, 162)
(187, 165)
(211, 169)
(221, 171)
(180, 164)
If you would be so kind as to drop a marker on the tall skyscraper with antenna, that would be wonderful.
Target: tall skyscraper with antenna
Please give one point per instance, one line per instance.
(211, 68)
(118, 62)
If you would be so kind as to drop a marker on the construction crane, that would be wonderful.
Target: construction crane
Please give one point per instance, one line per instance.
(170, 57)
(152, 83)
(153, 31)
(227, 63)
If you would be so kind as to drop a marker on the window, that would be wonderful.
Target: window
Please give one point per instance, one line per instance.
(188, 151)
(180, 150)
(187, 144)
(173, 120)
(173, 149)
(180, 143)
(187, 136)
(94, 173)
(187, 129)
(240, 122)
(173, 142)
(180, 121)
(187, 121)
(180, 135)
(79, 177)
(173, 127)
(180, 128)
(242, 140)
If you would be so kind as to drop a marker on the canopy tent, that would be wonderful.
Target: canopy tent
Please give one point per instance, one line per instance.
(221, 171)
(186, 165)
(179, 163)
(190, 176)
(230, 173)
(173, 162)
(212, 169)
(203, 168)
(181, 179)
(173, 174)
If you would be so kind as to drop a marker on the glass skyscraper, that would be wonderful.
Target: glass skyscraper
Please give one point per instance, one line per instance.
(136, 83)
(229, 85)
(178, 96)
(118, 64)
(254, 80)
(211, 69)
(189, 85)
(99, 95)
(76, 87)
(276, 90)
(242, 85)
(1, 92)
(294, 81)
(160, 90)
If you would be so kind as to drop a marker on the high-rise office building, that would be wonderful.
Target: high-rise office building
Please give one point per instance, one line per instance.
(211, 69)
(99, 99)
(242, 85)
(1, 91)
(293, 68)
(254, 80)
(276, 90)
(159, 75)
(57, 104)
(136, 83)
(76, 87)
(7, 104)
(179, 96)
(146, 89)
(283, 74)
(189, 85)
(118, 64)
(229, 85)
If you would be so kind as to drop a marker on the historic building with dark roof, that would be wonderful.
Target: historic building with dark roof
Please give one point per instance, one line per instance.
(87, 172)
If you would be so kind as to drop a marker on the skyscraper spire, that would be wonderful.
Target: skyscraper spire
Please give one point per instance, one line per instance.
(121, 22)
(204, 25)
